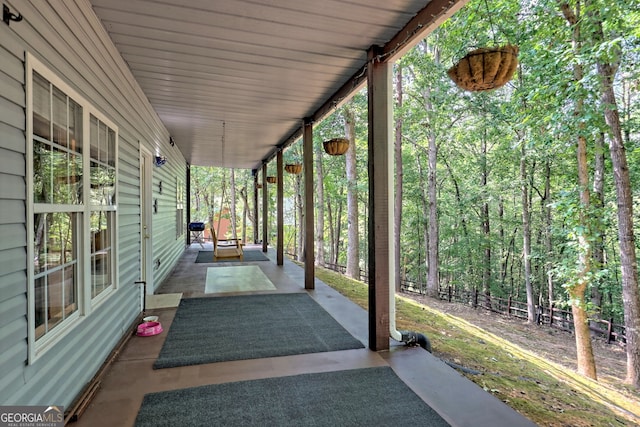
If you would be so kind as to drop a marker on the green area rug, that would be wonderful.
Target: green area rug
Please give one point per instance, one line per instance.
(218, 329)
(251, 255)
(359, 397)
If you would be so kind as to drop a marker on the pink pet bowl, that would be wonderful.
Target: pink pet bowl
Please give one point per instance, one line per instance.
(148, 329)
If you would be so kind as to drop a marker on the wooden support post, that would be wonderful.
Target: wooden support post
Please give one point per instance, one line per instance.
(280, 219)
(265, 209)
(255, 208)
(610, 331)
(188, 197)
(380, 151)
(509, 306)
(449, 291)
(309, 256)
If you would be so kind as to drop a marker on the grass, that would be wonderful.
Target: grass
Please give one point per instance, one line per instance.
(545, 392)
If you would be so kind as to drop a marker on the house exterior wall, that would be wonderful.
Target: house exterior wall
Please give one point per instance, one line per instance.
(69, 39)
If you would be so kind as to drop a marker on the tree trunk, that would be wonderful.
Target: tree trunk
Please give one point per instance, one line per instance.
(245, 213)
(433, 274)
(222, 197)
(586, 361)
(353, 236)
(320, 257)
(598, 203)
(397, 226)
(526, 238)
(300, 228)
(626, 237)
(336, 249)
(547, 231)
(433, 282)
(486, 229)
(425, 208)
(332, 233)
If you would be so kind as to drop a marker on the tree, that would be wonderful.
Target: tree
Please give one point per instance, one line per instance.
(577, 289)
(232, 190)
(353, 239)
(320, 201)
(607, 66)
(397, 226)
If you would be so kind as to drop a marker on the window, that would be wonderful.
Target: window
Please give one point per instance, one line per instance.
(72, 171)
(102, 219)
(57, 209)
(180, 221)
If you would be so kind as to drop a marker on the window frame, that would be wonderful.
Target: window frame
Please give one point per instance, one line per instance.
(85, 303)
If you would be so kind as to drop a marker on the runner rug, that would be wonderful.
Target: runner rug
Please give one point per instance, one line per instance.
(359, 397)
(217, 329)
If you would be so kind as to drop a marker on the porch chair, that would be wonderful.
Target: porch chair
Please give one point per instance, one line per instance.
(231, 248)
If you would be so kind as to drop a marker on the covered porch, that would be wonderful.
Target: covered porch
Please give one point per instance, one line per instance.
(176, 84)
(121, 390)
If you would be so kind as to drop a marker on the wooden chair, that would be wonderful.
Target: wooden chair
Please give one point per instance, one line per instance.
(231, 248)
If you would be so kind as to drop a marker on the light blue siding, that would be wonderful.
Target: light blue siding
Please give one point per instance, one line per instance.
(69, 39)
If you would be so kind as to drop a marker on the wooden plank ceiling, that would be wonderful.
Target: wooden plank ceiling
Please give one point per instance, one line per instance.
(233, 79)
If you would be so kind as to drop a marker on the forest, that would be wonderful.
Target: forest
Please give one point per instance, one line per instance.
(530, 191)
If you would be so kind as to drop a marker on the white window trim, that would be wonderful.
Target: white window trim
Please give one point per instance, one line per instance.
(85, 303)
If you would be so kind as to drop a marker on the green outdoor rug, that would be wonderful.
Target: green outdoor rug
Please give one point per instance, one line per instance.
(359, 397)
(217, 329)
(251, 255)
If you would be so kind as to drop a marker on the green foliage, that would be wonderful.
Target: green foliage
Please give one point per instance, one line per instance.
(533, 118)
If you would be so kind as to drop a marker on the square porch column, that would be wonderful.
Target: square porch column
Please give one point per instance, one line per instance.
(265, 209)
(380, 168)
(309, 240)
(280, 214)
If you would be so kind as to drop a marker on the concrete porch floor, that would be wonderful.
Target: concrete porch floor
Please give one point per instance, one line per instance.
(459, 401)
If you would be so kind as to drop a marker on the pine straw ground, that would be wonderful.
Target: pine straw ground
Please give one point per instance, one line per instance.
(531, 368)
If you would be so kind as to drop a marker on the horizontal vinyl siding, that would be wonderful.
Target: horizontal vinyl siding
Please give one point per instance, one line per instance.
(167, 247)
(128, 211)
(68, 39)
(13, 235)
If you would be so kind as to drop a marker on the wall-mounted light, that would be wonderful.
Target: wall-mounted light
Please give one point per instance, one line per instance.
(172, 141)
(160, 160)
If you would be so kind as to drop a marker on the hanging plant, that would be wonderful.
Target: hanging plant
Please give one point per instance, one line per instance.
(271, 179)
(336, 146)
(488, 67)
(293, 168)
(485, 68)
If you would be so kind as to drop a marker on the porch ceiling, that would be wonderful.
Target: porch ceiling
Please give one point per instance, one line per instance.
(233, 80)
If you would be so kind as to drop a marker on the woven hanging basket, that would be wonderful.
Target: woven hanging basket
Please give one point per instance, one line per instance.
(293, 168)
(336, 146)
(485, 68)
(271, 179)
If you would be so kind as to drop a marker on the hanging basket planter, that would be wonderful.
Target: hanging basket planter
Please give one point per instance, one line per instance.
(485, 68)
(258, 185)
(271, 179)
(293, 168)
(336, 146)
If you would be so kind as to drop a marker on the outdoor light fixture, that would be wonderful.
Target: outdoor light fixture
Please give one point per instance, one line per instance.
(172, 141)
(160, 160)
